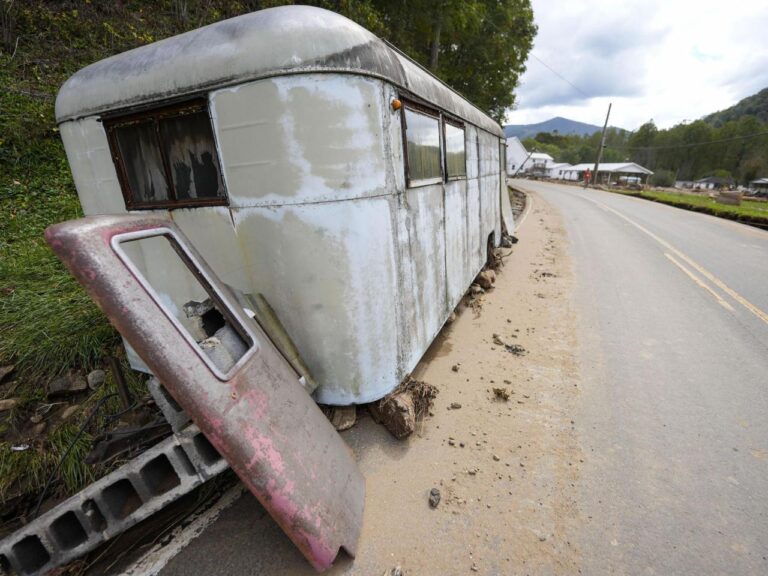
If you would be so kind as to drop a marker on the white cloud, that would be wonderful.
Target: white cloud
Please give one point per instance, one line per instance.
(670, 60)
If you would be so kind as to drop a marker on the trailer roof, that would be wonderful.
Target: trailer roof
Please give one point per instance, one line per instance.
(272, 42)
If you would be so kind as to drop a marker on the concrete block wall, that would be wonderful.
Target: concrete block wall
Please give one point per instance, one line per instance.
(113, 504)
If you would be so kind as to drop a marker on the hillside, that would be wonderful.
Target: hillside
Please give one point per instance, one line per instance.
(562, 126)
(755, 105)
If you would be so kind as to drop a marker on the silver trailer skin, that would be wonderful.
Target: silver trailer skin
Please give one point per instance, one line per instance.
(306, 160)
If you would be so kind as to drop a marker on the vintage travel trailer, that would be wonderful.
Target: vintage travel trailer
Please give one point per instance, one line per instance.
(307, 161)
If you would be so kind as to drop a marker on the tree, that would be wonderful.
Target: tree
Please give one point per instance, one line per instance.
(478, 47)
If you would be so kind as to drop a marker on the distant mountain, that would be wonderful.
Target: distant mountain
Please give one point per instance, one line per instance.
(560, 125)
(755, 105)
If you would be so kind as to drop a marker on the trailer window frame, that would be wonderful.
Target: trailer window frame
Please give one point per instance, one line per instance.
(155, 116)
(454, 123)
(409, 105)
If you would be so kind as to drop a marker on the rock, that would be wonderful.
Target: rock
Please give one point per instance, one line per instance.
(454, 406)
(67, 384)
(501, 394)
(455, 367)
(434, 498)
(396, 571)
(496, 458)
(475, 290)
(96, 378)
(498, 341)
(343, 417)
(397, 413)
(8, 403)
(486, 279)
(5, 370)
(68, 412)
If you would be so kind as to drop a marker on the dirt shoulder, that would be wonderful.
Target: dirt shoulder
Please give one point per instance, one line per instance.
(507, 470)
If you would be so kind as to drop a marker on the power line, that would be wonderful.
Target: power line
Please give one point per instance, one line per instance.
(691, 144)
(563, 78)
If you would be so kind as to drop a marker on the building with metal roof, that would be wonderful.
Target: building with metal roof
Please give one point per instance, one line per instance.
(609, 171)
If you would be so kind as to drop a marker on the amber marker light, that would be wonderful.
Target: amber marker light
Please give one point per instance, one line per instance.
(396, 104)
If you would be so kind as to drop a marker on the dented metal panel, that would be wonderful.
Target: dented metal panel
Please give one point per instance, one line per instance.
(255, 413)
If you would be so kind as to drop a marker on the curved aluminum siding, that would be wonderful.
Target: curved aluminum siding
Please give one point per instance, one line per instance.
(273, 42)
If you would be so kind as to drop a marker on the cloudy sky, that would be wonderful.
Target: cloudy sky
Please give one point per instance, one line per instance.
(670, 60)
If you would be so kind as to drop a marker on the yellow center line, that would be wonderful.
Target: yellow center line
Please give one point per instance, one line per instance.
(692, 263)
(700, 282)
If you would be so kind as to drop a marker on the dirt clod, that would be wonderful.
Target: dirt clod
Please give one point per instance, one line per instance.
(455, 367)
(486, 279)
(501, 394)
(515, 349)
(397, 413)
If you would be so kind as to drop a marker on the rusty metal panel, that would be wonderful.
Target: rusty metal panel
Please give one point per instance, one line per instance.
(254, 412)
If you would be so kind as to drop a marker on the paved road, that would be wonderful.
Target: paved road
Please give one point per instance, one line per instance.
(674, 405)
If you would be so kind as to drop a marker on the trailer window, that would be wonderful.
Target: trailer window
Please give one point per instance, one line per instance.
(422, 134)
(455, 151)
(166, 158)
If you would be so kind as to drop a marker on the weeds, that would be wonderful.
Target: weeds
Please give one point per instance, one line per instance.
(749, 211)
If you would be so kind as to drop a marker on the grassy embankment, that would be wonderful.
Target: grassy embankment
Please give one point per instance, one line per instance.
(48, 325)
(752, 212)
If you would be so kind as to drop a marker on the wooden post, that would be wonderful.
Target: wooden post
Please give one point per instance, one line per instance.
(602, 145)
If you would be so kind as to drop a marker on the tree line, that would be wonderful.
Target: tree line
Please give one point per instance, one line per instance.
(737, 149)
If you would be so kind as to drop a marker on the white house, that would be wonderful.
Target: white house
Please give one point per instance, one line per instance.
(516, 155)
(538, 163)
(608, 172)
(519, 160)
(557, 170)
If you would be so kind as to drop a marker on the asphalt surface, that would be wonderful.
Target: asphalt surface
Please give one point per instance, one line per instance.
(673, 414)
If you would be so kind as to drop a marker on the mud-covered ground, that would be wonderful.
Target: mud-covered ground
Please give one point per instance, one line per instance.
(507, 470)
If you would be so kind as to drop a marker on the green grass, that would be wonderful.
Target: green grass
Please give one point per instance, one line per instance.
(749, 211)
(47, 322)
(25, 472)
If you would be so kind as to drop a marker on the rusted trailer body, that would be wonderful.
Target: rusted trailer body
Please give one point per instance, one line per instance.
(275, 142)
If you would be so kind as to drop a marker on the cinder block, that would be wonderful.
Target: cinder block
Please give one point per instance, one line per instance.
(173, 413)
(113, 504)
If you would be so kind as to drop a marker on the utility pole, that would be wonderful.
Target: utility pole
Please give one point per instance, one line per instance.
(602, 145)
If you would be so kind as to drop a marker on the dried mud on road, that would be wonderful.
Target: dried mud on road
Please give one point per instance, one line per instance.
(506, 469)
